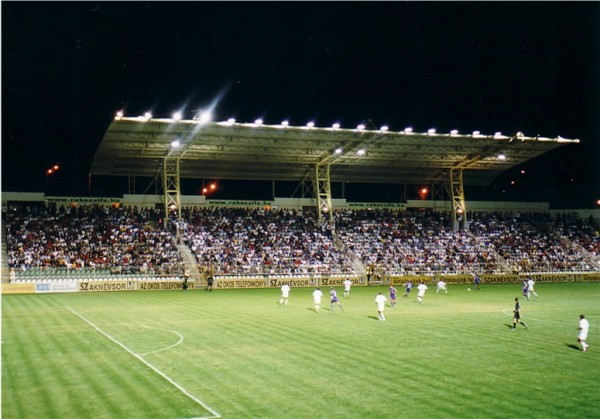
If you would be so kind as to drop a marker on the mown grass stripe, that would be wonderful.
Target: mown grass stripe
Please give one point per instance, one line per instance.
(153, 368)
(452, 356)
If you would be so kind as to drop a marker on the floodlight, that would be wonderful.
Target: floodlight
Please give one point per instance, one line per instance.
(335, 126)
(408, 129)
(119, 115)
(476, 133)
(361, 152)
(258, 121)
(501, 157)
(384, 128)
(454, 132)
(230, 121)
(338, 150)
(148, 116)
(497, 134)
(431, 131)
(175, 144)
(285, 123)
(310, 124)
(202, 117)
(360, 127)
(177, 116)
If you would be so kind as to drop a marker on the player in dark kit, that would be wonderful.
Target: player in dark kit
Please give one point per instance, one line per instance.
(525, 289)
(517, 315)
(408, 287)
(334, 299)
(476, 282)
(392, 292)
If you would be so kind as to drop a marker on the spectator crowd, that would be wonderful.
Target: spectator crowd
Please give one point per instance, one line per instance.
(256, 241)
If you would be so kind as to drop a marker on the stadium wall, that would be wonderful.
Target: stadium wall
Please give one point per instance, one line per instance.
(153, 201)
(278, 202)
(121, 285)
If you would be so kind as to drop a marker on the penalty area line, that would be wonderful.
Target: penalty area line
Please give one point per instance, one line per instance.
(215, 415)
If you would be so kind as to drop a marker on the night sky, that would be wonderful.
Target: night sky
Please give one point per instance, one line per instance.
(68, 67)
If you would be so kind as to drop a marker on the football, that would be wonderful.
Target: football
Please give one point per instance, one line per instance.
(468, 289)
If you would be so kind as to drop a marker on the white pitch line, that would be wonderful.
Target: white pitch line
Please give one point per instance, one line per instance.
(164, 330)
(153, 368)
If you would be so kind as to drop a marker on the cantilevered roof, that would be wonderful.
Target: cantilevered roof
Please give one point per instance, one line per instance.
(252, 151)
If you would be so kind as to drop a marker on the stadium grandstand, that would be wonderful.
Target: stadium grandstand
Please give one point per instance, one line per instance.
(66, 243)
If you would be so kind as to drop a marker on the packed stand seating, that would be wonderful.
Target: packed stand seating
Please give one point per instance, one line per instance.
(89, 238)
(413, 241)
(582, 232)
(245, 241)
(529, 242)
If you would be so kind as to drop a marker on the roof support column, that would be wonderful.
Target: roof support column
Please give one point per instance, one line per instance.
(131, 184)
(171, 188)
(322, 186)
(459, 209)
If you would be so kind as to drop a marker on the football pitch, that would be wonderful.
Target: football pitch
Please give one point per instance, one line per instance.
(239, 354)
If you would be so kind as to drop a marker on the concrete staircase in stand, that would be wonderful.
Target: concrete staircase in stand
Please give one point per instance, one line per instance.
(191, 266)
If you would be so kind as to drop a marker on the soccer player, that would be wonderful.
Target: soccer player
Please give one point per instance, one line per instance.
(285, 294)
(334, 299)
(525, 289)
(476, 281)
(209, 283)
(530, 290)
(380, 300)
(347, 285)
(517, 315)
(317, 296)
(441, 286)
(393, 293)
(421, 288)
(584, 327)
(408, 285)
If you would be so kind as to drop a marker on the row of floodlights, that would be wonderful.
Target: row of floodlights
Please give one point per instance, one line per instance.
(206, 117)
